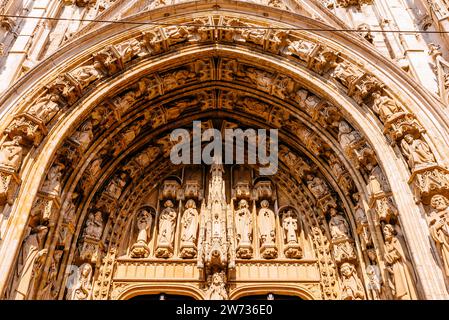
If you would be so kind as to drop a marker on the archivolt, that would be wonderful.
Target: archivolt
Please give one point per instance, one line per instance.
(284, 64)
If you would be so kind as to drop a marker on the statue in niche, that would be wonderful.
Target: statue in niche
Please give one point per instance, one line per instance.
(167, 221)
(189, 228)
(290, 226)
(362, 223)
(266, 221)
(85, 75)
(403, 285)
(217, 287)
(299, 48)
(267, 224)
(84, 135)
(373, 275)
(317, 186)
(244, 229)
(216, 222)
(355, 147)
(53, 182)
(351, 287)
(46, 108)
(378, 183)
(385, 107)
(144, 220)
(11, 154)
(243, 223)
(67, 219)
(50, 290)
(116, 185)
(94, 225)
(82, 288)
(30, 263)
(439, 227)
(338, 225)
(417, 152)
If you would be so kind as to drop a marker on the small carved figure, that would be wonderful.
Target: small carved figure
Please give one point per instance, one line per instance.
(338, 225)
(94, 225)
(267, 224)
(144, 220)
(217, 287)
(11, 154)
(189, 223)
(82, 288)
(243, 223)
(317, 186)
(384, 106)
(439, 227)
(417, 152)
(352, 288)
(84, 135)
(403, 285)
(167, 222)
(46, 108)
(290, 226)
(30, 262)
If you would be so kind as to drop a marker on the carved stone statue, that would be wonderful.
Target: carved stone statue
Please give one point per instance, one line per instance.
(29, 264)
(267, 231)
(82, 288)
(355, 147)
(167, 221)
(46, 108)
(11, 154)
(317, 186)
(189, 228)
(338, 226)
(94, 225)
(84, 135)
(290, 227)
(362, 224)
(351, 287)
(417, 152)
(373, 275)
(301, 49)
(243, 223)
(116, 185)
(267, 224)
(85, 75)
(403, 285)
(439, 227)
(217, 287)
(52, 183)
(144, 220)
(378, 183)
(244, 230)
(385, 107)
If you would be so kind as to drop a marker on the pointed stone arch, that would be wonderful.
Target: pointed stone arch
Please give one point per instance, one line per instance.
(286, 72)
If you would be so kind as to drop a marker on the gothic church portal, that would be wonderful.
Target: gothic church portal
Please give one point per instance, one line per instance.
(91, 207)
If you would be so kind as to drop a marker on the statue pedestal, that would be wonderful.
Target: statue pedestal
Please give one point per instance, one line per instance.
(244, 251)
(140, 250)
(269, 251)
(428, 181)
(164, 250)
(293, 251)
(188, 250)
